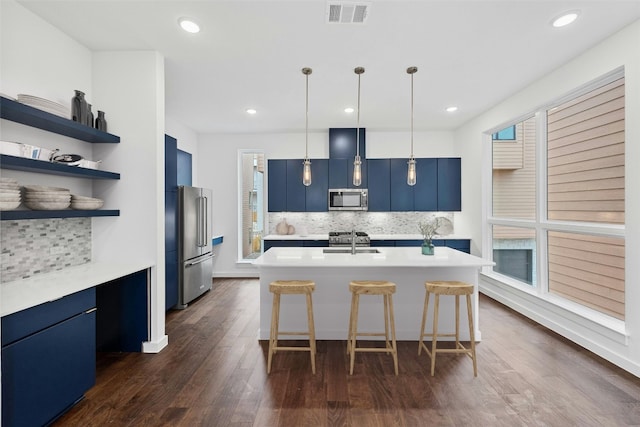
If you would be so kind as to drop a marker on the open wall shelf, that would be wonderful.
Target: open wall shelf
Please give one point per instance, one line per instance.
(16, 215)
(30, 116)
(51, 168)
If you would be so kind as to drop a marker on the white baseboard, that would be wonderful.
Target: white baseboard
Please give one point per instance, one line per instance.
(155, 346)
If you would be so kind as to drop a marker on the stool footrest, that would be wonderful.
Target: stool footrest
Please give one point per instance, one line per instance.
(374, 349)
(293, 333)
(292, 348)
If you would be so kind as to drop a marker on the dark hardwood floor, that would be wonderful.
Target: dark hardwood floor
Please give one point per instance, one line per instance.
(213, 373)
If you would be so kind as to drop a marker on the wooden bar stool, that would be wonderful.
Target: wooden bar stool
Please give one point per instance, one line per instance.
(447, 288)
(291, 287)
(372, 287)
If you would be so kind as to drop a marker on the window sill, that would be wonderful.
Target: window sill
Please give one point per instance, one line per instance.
(562, 316)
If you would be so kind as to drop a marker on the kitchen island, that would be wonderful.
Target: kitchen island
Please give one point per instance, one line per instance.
(332, 271)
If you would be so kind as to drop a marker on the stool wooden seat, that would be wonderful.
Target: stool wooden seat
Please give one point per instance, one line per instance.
(447, 288)
(372, 287)
(291, 287)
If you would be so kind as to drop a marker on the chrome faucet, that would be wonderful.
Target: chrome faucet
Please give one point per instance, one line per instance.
(353, 241)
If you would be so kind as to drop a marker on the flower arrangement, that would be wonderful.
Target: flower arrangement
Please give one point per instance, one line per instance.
(428, 229)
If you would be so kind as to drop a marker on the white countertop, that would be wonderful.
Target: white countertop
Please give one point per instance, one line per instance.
(388, 257)
(371, 236)
(26, 293)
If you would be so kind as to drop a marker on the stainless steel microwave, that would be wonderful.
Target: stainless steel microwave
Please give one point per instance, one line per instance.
(348, 199)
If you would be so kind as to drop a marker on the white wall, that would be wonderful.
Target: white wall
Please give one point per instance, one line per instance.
(218, 169)
(40, 60)
(187, 141)
(622, 49)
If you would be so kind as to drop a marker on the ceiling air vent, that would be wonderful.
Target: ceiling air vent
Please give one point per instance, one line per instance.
(347, 12)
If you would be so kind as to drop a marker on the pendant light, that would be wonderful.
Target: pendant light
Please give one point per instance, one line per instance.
(306, 170)
(357, 163)
(411, 171)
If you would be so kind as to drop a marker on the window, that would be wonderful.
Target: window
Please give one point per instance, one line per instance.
(251, 187)
(575, 222)
(506, 134)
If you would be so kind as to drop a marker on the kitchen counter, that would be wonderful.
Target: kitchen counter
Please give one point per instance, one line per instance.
(371, 236)
(332, 272)
(26, 293)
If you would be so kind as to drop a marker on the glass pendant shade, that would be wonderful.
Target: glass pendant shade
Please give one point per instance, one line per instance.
(306, 165)
(411, 172)
(306, 172)
(357, 171)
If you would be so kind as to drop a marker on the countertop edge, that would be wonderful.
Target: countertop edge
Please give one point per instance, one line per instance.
(22, 294)
(371, 236)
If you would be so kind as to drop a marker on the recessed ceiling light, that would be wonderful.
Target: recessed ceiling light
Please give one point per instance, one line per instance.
(251, 111)
(189, 25)
(349, 110)
(452, 109)
(565, 19)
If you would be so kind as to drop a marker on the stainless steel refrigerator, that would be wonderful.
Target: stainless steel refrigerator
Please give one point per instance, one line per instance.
(195, 269)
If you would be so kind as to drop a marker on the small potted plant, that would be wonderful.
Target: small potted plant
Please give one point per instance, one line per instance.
(428, 230)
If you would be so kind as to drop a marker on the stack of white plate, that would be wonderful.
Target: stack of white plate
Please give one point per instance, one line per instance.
(83, 203)
(45, 105)
(41, 198)
(9, 194)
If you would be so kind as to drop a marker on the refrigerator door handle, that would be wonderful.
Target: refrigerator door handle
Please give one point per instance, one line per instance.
(199, 219)
(189, 264)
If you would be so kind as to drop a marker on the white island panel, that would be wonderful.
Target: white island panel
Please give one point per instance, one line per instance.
(406, 267)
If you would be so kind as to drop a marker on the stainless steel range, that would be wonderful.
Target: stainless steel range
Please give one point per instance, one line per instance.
(346, 238)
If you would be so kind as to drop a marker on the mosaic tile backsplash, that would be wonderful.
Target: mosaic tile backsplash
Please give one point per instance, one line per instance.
(30, 247)
(369, 222)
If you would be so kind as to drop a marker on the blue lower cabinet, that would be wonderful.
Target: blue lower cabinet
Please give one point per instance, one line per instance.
(315, 243)
(381, 243)
(46, 372)
(122, 313)
(171, 279)
(463, 245)
(409, 242)
(281, 244)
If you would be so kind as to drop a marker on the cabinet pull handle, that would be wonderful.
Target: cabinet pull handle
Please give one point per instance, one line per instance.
(91, 310)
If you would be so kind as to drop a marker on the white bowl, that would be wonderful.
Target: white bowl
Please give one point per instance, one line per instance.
(41, 188)
(47, 198)
(45, 206)
(86, 206)
(7, 206)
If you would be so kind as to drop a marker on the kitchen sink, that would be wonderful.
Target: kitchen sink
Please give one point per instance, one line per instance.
(348, 251)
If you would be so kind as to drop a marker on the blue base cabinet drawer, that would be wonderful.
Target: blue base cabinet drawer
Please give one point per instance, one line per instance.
(47, 371)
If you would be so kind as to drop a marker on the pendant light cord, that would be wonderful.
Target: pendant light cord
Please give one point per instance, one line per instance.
(358, 121)
(306, 120)
(411, 115)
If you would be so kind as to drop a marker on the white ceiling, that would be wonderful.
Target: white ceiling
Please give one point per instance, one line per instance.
(471, 54)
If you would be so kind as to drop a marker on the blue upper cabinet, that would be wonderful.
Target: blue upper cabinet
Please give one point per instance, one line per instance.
(296, 191)
(401, 194)
(341, 173)
(185, 167)
(170, 163)
(379, 185)
(449, 184)
(425, 192)
(277, 186)
(317, 194)
(342, 143)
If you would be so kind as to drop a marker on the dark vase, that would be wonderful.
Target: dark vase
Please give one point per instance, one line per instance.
(101, 122)
(89, 121)
(79, 108)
